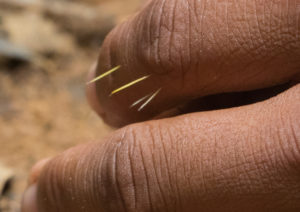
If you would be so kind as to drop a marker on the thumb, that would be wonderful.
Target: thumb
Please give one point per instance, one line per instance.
(246, 159)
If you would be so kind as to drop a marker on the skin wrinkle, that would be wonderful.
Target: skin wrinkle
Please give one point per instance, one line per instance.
(109, 190)
(142, 24)
(167, 167)
(264, 149)
(50, 187)
(182, 51)
(294, 135)
(152, 30)
(281, 20)
(270, 154)
(226, 170)
(290, 7)
(146, 176)
(190, 160)
(63, 176)
(164, 166)
(268, 132)
(279, 140)
(176, 165)
(201, 166)
(199, 52)
(179, 151)
(291, 145)
(269, 160)
(149, 27)
(174, 144)
(227, 21)
(193, 16)
(246, 170)
(189, 34)
(294, 144)
(260, 34)
(54, 188)
(248, 25)
(155, 167)
(98, 182)
(281, 135)
(89, 197)
(66, 182)
(76, 180)
(147, 19)
(224, 43)
(172, 27)
(156, 30)
(287, 131)
(121, 143)
(58, 181)
(298, 20)
(219, 42)
(85, 174)
(187, 174)
(106, 174)
(158, 51)
(263, 19)
(238, 41)
(253, 47)
(211, 178)
(131, 168)
(191, 26)
(94, 199)
(271, 12)
(136, 146)
(116, 178)
(185, 157)
(127, 46)
(220, 147)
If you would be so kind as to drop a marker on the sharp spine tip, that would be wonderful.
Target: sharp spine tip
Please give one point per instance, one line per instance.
(149, 100)
(139, 101)
(104, 74)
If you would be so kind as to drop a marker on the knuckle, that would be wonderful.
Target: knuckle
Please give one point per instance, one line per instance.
(128, 176)
(163, 43)
(173, 37)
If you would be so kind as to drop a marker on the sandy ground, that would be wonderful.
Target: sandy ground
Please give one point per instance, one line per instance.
(43, 109)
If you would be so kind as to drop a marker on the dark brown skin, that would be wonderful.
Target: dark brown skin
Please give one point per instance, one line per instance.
(237, 159)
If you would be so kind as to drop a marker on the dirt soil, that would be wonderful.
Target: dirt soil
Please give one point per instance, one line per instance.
(46, 50)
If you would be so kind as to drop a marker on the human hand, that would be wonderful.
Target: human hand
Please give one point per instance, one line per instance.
(238, 159)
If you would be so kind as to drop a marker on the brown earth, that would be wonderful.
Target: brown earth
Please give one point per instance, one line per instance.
(45, 53)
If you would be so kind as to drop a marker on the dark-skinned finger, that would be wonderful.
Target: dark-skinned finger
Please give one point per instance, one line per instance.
(192, 49)
(243, 159)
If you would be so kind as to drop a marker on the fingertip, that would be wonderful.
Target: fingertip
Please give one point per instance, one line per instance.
(36, 171)
(29, 202)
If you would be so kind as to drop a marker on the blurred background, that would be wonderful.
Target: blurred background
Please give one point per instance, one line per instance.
(46, 50)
